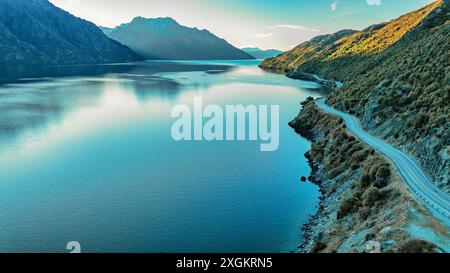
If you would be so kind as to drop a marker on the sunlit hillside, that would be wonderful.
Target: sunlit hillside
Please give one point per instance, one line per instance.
(397, 80)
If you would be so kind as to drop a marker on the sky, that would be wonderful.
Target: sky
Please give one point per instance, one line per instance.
(278, 24)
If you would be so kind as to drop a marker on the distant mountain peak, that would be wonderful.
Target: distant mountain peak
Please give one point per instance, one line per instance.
(259, 53)
(159, 21)
(254, 48)
(165, 38)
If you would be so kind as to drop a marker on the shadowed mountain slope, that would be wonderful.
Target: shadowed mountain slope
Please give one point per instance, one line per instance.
(37, 32)
(164, 38)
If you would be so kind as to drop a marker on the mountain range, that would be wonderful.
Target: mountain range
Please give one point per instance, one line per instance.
(396, 79)
(260, 53)
(37, 32)
(164, 38)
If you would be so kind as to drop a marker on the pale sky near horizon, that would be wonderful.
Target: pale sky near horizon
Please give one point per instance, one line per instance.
(262, 23)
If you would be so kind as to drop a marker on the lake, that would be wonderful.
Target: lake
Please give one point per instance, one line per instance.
(86, 155)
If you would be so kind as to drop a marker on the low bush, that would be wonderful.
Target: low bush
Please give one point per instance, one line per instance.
(418, 246)
(347, 206)
(383, 173)
(371, 196)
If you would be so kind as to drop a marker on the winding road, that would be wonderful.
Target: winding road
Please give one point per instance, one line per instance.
(418, 182)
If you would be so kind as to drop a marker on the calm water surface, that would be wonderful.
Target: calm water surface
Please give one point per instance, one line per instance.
(91, 159)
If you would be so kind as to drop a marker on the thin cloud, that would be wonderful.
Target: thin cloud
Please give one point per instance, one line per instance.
(263, 35)
(374, 2)
(297, 27)
(344, 12)
(334, 6)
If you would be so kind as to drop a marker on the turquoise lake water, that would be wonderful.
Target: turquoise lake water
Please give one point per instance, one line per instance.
(90, 159)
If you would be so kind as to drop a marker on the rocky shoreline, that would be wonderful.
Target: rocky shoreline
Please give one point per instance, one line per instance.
(364, 201)
(308, 228)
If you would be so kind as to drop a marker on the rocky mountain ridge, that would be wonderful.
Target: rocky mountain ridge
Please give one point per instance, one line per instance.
(37, 32)
(164, 38)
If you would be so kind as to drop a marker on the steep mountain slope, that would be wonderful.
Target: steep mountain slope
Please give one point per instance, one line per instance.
(305, 52)
(397, 81)
(323, 53)
(37, 32)
(106, 30)
(260, 53)
(164, 38)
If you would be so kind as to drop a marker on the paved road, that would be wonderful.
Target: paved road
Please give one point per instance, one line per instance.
(412, 174)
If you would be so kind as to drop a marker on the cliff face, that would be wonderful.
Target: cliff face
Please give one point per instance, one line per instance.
(396, 80)
(164, 38)
(363, 198)
(37, 32)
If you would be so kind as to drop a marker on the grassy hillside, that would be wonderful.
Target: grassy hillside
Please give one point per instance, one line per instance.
(305, 52)
(347, 44)
(397, 81)
(379, 37)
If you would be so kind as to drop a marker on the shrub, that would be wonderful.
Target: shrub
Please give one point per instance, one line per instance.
(319, 246)
(380, 183)
(333, 173)
(365, 181)
(417, 246)
(383, 173)
(347, 206)
(371, 196)
(360, 156)
(373, 165)
(317, 152)
(420, 121)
